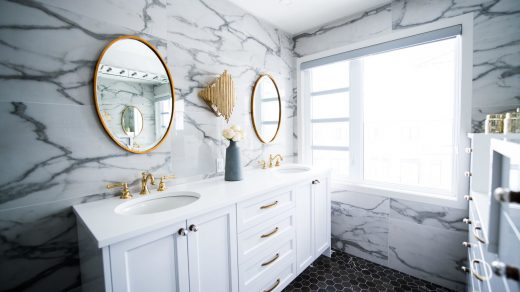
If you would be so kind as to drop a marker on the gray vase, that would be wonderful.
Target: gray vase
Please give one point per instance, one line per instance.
(233, 165)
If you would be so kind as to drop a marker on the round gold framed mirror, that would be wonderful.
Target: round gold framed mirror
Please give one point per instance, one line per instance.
(134, 94)
(266, 109)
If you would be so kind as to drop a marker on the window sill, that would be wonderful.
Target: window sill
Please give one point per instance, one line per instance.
(427, 198)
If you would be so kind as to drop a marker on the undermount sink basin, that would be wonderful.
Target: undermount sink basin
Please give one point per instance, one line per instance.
(293, 169)
(154, 204)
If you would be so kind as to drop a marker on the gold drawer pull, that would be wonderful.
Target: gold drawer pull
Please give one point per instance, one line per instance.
(274, 286)
(270, 205)
(475, 234)
(474, 270)
(271, 260)
(270, 233)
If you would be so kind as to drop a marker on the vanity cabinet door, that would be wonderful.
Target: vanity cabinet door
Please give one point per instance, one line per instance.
(212, 249)
(322, 220)
(153, 262)
(304, 226)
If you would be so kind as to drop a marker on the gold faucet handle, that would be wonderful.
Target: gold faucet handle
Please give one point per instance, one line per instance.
(162, 185)
(125, 192)
(278, 160)
(262, 163)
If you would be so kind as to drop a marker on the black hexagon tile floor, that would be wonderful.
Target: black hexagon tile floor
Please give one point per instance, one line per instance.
(344, 272)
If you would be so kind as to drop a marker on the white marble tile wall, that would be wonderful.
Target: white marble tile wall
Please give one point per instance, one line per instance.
(419, 239)
(54, 151)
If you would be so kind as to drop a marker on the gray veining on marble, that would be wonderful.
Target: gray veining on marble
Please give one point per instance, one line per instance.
(362, 229)
(429, 253)
(428, 214)
(391, 232)
(342, 32)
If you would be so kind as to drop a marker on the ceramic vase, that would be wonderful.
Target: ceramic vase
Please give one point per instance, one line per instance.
(233, 170)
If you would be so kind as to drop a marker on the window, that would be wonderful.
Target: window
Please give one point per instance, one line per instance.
(387, 116)
(329, 94)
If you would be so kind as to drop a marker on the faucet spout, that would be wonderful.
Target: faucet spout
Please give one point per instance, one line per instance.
(144, 182)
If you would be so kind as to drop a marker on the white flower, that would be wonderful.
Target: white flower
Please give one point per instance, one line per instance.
(228, 134)
(238, 136)
(236, 128)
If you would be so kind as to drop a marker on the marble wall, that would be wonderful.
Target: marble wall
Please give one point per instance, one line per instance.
(54, 151)
(421, 239)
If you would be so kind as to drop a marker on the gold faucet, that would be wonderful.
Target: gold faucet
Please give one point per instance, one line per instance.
(144, 182)
(125, 192)
(276, 158)
(162, 185)
(263, 164)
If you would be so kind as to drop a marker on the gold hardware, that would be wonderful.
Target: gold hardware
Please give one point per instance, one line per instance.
(263, 164)
(270, 233)
(96, 102)
(125, 192)
(144, 182)
(253, 110)
(220, 95)
(276, 159)
(475, 234)
(274, 286)
(271, 260)
(162, 185)
(269, 206)
(474, 270)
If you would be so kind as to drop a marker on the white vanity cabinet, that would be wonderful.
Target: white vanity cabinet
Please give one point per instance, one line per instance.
(212, 252)
(196, 255)
(153, 262)
(312, 221)
(256, 241)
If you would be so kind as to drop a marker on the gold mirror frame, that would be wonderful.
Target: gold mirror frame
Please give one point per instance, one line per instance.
(253, 109)
(94, 85)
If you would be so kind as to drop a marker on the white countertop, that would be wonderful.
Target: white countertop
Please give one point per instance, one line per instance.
(108, 227)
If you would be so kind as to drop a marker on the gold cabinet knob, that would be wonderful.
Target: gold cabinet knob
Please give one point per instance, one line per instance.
(125, 192)
(162, 184)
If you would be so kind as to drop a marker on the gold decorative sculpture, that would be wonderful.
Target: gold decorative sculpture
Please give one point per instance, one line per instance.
(220, 95)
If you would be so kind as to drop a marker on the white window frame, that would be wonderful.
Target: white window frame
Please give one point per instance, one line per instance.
(462, 116)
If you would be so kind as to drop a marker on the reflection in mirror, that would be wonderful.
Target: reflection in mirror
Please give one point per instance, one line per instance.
(133, 92)
(266, 106)
(132, 121)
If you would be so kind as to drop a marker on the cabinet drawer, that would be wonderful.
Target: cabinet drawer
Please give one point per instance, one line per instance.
(266, 262)
(255, 240)
(260, 209)
(276, 280)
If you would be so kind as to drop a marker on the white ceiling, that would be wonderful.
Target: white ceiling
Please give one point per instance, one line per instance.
(296, 16)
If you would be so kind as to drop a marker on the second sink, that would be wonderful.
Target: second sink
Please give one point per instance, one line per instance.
(156, 204)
